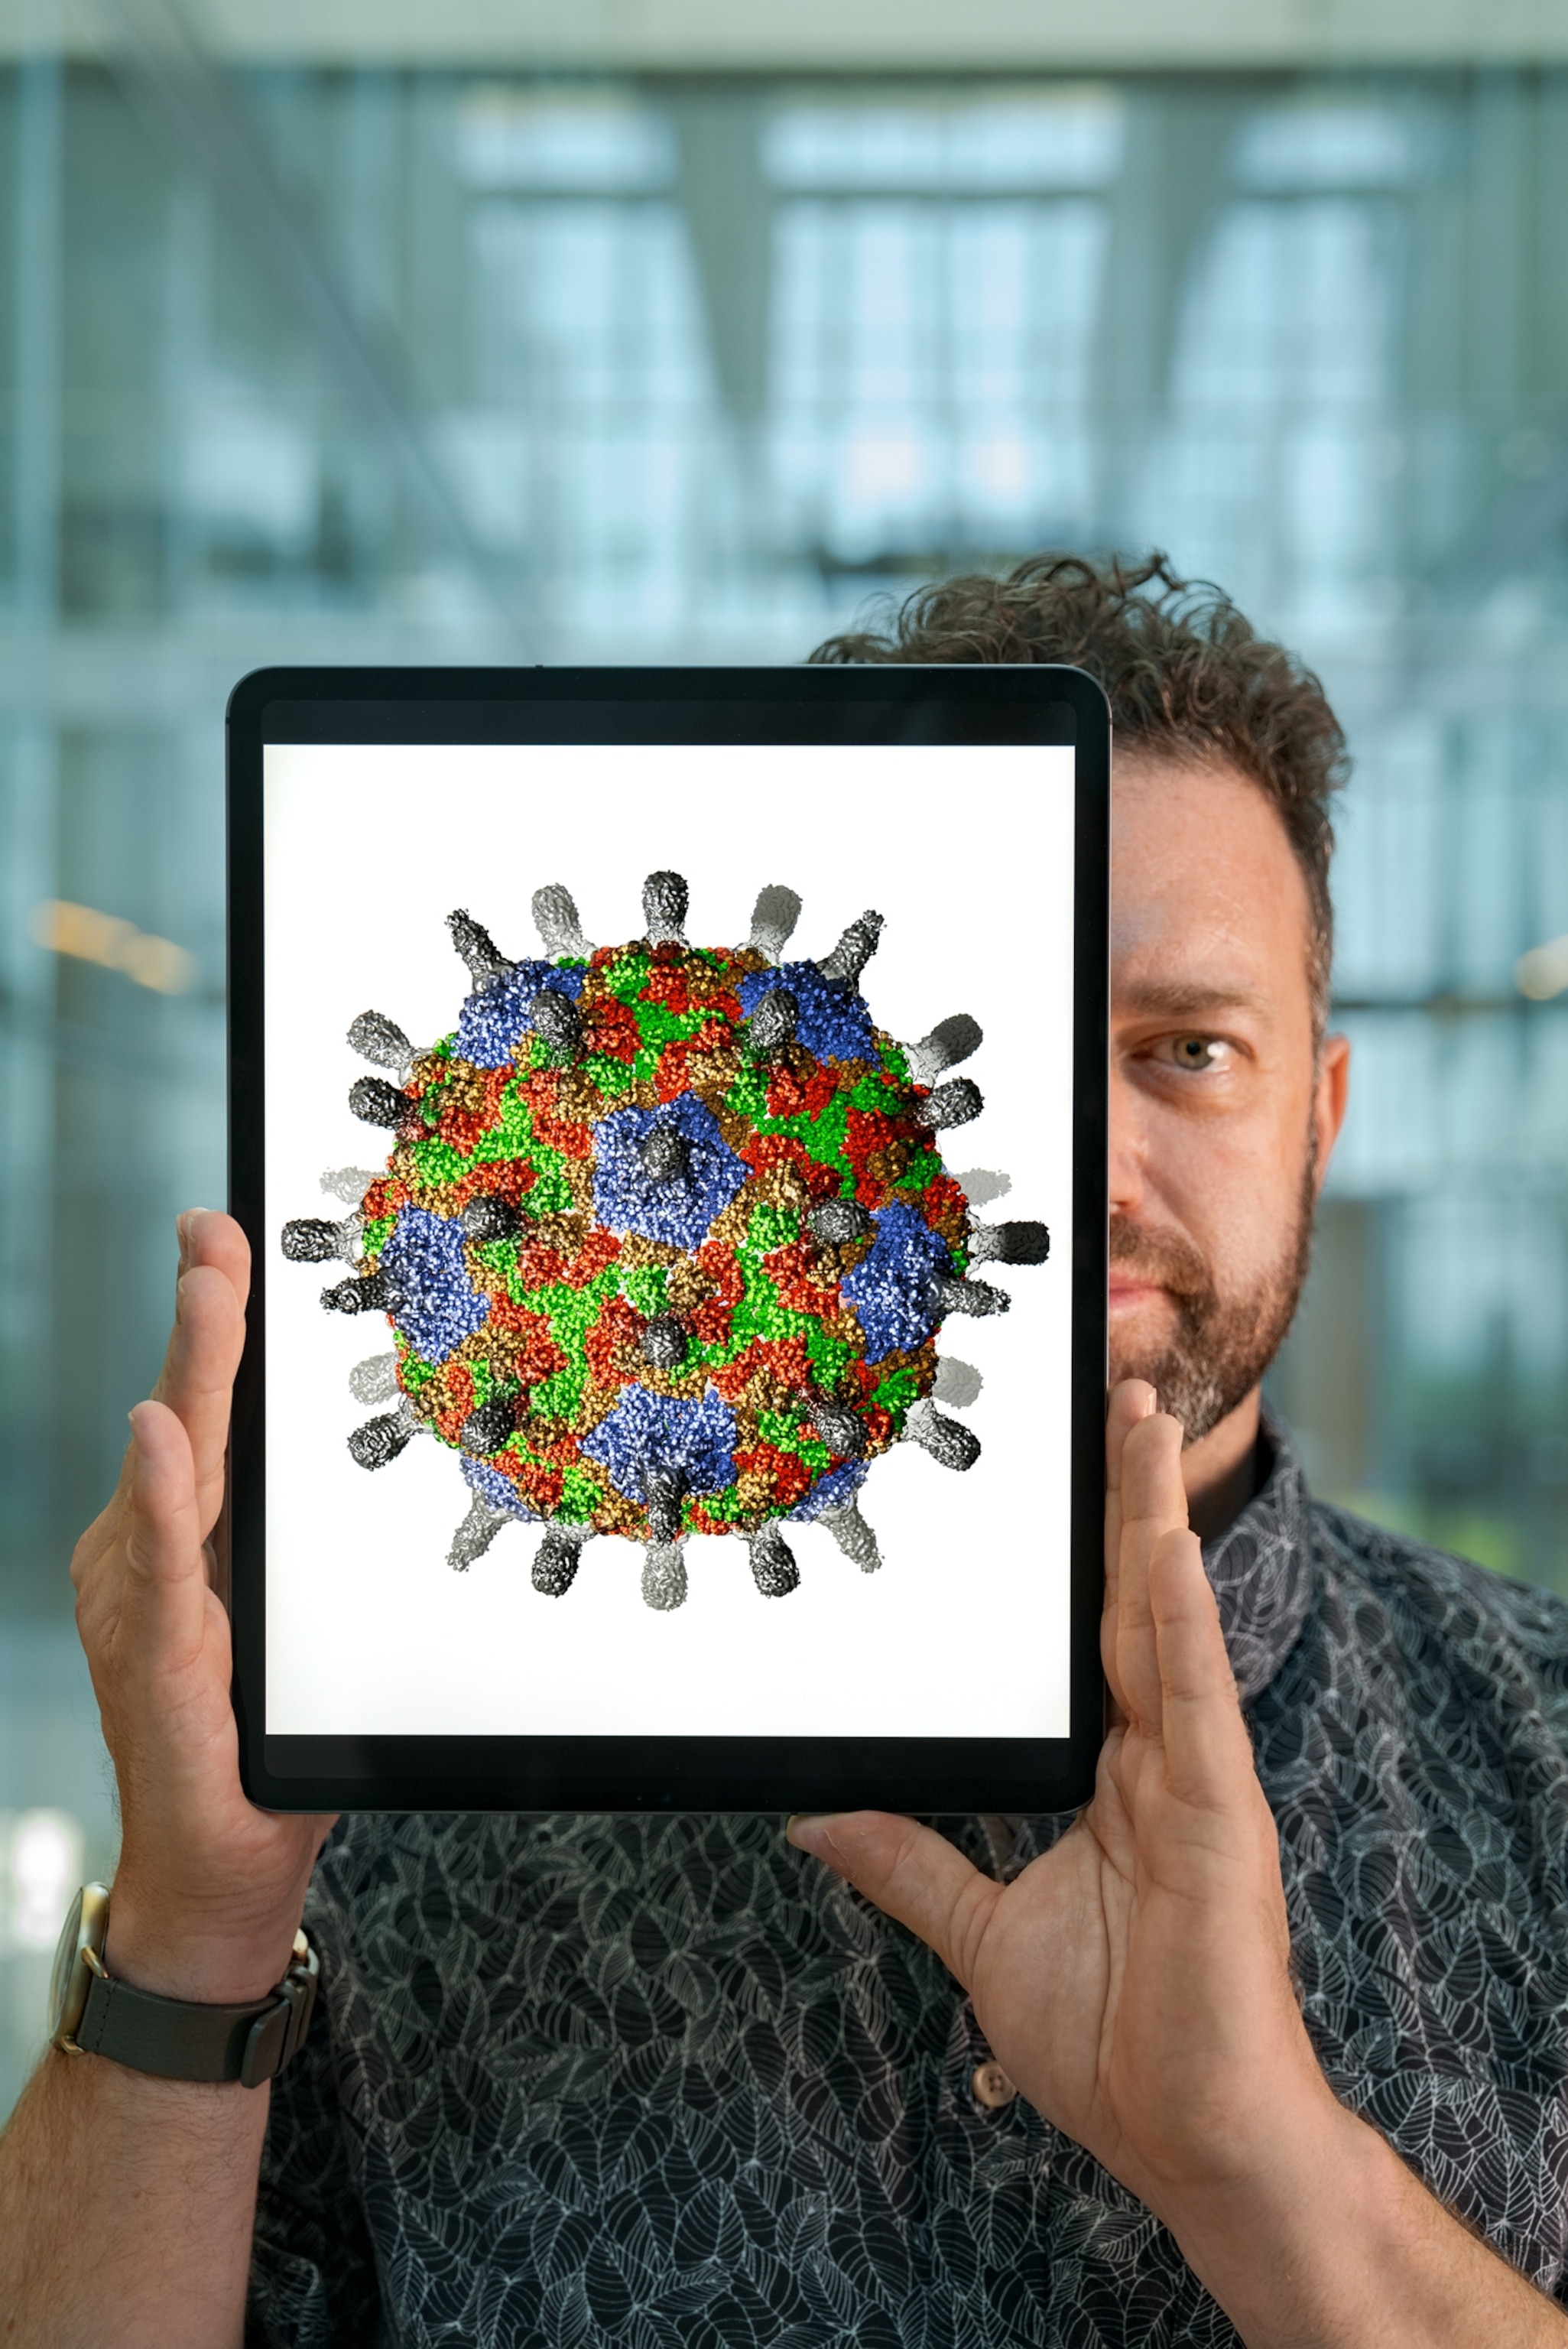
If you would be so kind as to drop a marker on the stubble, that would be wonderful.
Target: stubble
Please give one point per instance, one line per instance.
(1224, 1342)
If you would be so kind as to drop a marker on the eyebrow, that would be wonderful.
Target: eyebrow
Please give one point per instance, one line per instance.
(1176, 999)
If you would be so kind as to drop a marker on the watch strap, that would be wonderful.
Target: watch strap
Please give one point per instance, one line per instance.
(180, 2041)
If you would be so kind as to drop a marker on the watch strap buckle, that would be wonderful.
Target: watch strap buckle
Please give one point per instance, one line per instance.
(277, 2037)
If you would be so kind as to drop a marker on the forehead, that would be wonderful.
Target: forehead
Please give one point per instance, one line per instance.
(1205, 887)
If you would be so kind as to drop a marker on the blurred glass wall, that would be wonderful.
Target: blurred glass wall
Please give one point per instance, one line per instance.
(378, 362)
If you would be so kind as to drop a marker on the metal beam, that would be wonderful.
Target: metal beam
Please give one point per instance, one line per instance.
(728, 209)
(192, 104)
(1175, 180)
(1486, 331)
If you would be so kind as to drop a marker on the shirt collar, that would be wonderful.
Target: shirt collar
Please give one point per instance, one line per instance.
(1261, 1569)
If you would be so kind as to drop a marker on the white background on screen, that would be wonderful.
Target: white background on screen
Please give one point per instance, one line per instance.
(969, 855)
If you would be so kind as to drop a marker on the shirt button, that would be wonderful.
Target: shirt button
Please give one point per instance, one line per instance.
(989, 2085)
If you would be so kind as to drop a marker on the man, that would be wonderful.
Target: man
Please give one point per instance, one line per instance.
(1267, 2046)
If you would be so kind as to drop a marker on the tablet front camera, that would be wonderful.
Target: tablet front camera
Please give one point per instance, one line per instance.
(665, 1241)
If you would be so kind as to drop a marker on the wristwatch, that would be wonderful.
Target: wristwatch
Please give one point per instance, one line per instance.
(91, 2014)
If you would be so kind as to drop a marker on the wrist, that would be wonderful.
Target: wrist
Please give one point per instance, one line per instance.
(1315, 2214)
(176, 1951)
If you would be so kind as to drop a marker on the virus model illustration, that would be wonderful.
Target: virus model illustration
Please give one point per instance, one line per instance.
(665, 1240)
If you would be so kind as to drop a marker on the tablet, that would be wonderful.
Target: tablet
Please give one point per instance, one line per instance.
(668, 1114)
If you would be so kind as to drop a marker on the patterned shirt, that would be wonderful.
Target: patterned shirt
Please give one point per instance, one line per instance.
(665, 2083)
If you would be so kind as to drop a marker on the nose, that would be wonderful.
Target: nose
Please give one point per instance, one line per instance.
(1127, 1144)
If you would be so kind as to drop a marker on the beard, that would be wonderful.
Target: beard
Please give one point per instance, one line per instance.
(1222, 1343)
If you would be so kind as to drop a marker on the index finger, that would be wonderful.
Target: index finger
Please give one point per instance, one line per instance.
(1208, 1753)
(1153, 1504)
(1131, 1401)
(206, 1236)
(204, 1346)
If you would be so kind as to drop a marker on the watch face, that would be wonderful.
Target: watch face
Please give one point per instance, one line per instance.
(62, 1976)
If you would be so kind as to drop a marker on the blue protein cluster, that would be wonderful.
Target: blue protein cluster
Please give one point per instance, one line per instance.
(494, 1019)
(890, 1289)
(679, 1208)
(831, 1491)
(496, 1491)
(662, 1435)
(436, 1305)
(831, 1020)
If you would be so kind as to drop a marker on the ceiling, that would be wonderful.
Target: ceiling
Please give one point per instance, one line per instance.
(717, 37)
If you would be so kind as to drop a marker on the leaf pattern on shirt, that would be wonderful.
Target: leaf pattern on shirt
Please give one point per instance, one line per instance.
(663, 2083)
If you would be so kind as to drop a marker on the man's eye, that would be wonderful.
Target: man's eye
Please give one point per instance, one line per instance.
(1201, 1052)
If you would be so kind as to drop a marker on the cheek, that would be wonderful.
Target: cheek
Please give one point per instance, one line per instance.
(1232, 1183)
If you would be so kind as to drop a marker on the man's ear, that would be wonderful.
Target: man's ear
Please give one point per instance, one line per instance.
(1331, 1098)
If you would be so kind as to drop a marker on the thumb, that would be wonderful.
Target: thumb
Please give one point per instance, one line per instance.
(912, 1874)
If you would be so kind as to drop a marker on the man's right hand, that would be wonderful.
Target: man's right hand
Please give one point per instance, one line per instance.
(127, 2201)
(209, 1891)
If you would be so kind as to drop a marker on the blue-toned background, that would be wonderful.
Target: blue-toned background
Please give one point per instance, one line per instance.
(317, 344)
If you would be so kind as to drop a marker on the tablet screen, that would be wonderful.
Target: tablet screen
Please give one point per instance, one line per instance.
(669, 1192)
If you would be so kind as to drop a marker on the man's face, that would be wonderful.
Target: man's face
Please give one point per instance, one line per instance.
(1221, 1115)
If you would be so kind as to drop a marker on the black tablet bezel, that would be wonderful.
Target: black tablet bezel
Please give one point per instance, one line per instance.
(872, 704)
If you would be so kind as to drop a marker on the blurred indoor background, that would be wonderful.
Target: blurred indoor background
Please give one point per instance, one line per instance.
(562, 330)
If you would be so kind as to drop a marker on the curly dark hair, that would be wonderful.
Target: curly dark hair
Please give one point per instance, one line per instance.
(1182, 668)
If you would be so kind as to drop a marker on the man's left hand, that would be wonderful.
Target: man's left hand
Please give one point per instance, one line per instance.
(1134, 1981)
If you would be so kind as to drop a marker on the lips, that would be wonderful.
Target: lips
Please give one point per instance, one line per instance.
(1150, 1261)
(1128, 1293)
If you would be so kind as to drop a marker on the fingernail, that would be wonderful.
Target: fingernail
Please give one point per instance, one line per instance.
(183, 1226)
(805, 1831)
